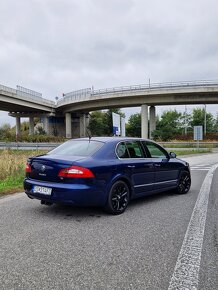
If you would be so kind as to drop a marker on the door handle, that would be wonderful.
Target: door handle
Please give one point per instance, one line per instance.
(149, 165)
(131, 166)
(158, 165)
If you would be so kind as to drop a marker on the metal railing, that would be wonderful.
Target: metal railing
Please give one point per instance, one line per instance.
(87, 94)
(75, 96)
(26, 94)
(52, 145)
(28, 145)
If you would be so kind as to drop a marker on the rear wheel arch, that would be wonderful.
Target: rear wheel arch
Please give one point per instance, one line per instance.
(118, 197)
(124, 179)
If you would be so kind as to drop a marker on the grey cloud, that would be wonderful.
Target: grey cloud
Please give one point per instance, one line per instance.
(55, 46)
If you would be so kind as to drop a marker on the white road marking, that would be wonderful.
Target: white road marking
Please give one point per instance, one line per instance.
(197, 168)
(201, 167)
(185, 275)
(11, 197)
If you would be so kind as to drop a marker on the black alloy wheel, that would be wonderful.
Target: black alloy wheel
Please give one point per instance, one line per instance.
(118, 198)
(184, 183)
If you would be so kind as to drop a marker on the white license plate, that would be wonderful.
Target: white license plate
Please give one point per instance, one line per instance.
(42, 190)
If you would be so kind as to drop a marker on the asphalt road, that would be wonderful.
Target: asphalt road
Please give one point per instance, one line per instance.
(61, 247)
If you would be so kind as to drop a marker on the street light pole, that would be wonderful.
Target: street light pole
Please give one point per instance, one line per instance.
(205, 120)
(185, 120)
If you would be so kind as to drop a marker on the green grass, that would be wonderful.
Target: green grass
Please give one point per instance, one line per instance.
(12, 184)
(12, 169)
(194, 146)
(191, 151)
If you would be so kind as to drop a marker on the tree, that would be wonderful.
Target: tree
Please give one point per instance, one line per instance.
(5, 131)
(133, 128)
(198, 116)
(169, 125)
(101, 122)
(97, 123)
(216, 124)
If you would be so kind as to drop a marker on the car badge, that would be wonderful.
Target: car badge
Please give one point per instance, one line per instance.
(43, 168)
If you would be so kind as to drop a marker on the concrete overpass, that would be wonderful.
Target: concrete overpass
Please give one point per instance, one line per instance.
(83, 101)
(22, 102)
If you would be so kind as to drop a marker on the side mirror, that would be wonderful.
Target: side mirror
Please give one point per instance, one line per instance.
(172, 155)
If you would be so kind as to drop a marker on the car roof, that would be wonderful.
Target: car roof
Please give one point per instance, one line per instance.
(113, 139)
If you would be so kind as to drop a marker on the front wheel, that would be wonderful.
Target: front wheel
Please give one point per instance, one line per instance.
(184, 183)
(118, 198)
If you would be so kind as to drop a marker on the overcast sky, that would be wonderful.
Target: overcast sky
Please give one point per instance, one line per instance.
(57, 46)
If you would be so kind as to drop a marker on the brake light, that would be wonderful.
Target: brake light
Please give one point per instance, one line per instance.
(76, 172)
(28, 168)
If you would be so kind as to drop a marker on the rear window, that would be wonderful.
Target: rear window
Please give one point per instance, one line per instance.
(77, 148)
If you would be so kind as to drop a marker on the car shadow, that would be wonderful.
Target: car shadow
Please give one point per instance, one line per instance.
(148, 199)
(79, 213)
(69, 211)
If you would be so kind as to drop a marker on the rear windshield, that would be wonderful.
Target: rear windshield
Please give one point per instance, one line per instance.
(77, 148)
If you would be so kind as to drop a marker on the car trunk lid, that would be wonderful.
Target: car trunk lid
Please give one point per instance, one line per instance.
(46, 168)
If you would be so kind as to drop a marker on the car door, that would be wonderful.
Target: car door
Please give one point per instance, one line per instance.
(135, 164)
(166, 172)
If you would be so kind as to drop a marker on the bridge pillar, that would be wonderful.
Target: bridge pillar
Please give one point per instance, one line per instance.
(152, 123)
(144, 121)
(83, 125)
(17, 126)
(31, 125)
(46, 125)
(68, 125)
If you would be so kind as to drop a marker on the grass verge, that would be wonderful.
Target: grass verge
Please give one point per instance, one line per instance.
(191, 151)
(12, 169)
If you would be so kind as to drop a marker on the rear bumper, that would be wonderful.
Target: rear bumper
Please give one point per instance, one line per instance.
(74, 194)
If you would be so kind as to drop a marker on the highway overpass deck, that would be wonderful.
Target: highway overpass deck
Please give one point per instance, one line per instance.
(23, 100)
(182, 93)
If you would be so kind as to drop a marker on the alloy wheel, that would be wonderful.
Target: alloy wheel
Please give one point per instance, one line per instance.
(184, 183)
(118, 198)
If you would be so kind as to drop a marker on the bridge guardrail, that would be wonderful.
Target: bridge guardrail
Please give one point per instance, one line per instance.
(46, 145)
(81, 96)
(26, 95)
(26, 145)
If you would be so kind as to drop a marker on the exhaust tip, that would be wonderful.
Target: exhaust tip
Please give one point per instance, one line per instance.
(46, 202)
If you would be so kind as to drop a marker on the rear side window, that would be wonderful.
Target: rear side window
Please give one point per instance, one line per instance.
(77, 148)
(122, 150)
(154, 150)
(129, 150)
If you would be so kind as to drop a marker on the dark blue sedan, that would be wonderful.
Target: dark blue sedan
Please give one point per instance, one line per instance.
(105, 171)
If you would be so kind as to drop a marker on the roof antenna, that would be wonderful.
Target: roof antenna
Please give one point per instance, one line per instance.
(89, 134)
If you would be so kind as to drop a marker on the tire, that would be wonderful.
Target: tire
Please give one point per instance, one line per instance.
(118, 198)
(184, 183)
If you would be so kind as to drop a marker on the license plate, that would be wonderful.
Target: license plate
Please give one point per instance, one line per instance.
(42, 190)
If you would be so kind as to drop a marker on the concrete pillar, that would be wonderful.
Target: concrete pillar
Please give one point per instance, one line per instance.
(31, 125)
(17, 126)
(144, 121)
(152, 124)
(46, 125)
(87, 119)
(68, 125)
(83, 125)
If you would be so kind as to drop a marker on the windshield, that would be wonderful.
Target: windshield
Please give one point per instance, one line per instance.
(77, 148)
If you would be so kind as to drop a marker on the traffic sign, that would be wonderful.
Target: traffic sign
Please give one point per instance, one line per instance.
(198, 133)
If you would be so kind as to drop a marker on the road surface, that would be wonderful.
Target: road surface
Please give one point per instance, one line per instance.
(61, 247)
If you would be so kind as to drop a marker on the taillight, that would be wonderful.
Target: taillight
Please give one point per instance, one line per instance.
(76, 172)
(28, 168)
